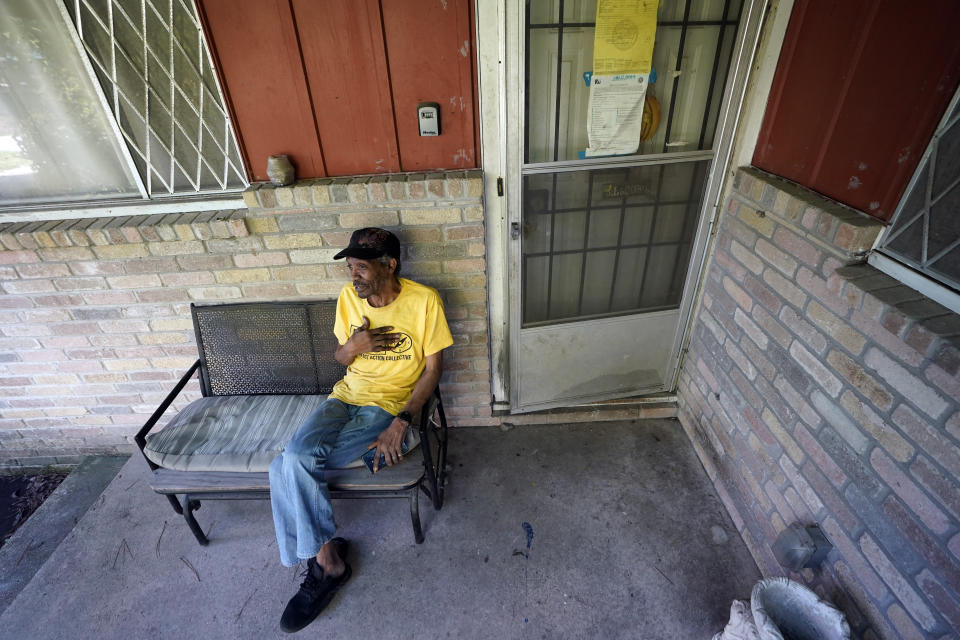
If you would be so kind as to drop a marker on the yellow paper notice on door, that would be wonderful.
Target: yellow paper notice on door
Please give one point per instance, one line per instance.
(622, 59)
(623, 40)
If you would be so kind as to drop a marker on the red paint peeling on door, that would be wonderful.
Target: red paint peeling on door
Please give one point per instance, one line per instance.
(859, 90)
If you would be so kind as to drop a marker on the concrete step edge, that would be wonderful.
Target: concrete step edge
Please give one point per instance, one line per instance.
(32, 544)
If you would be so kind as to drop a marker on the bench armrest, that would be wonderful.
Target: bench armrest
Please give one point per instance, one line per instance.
(435, 469)
(141, 437)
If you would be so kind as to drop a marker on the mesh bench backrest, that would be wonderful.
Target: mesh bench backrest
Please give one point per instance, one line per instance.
(255, 348)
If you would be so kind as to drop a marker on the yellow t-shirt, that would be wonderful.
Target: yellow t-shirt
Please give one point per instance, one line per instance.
(386, 378)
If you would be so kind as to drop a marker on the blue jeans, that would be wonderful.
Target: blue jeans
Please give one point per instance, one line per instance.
(334, 435)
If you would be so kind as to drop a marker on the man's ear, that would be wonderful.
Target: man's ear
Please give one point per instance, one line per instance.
(393, 265)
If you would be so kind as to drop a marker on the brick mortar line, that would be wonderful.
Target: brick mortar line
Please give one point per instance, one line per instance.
(938, 340)
(234, 268)
(146, 229)
(335, 208)
(912, 320)
(942, 349)
(136, 230)
(691, 413)
(799, 193)
(801, 231)
(419, 186)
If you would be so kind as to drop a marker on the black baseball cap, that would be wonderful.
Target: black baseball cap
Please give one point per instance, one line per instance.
(370, 243)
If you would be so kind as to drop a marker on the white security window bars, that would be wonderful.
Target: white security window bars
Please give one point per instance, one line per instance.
(924, 232)
(152, 62)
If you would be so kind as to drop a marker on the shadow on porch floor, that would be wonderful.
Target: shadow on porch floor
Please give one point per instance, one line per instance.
(629, 541)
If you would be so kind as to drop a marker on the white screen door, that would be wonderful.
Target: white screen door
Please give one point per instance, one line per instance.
(601, 249)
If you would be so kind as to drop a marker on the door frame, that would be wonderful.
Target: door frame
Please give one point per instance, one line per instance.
(745, 47)
(500, 50)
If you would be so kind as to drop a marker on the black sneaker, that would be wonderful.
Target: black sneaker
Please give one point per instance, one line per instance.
(315, 593)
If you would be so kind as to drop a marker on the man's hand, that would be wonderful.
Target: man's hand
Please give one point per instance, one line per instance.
(388, 443)
(366, 340)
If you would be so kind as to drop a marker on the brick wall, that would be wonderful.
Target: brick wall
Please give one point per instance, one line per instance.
(94, 320)
(815, 391)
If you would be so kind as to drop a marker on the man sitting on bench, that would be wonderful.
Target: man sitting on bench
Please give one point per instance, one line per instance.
(392, 333)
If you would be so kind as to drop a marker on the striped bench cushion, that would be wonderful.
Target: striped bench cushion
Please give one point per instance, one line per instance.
(232, 433)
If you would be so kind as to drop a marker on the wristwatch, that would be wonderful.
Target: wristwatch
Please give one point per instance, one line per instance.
(405, 416)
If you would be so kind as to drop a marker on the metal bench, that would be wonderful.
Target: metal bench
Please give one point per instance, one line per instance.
(284, 350)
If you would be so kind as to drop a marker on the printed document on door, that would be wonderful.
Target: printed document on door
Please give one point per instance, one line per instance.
(622, 58)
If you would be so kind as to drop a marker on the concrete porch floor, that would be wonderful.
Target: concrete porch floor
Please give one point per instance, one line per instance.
(629, 541)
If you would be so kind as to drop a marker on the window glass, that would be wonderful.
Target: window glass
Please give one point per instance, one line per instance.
(56, 141)
(608, 241)
(691, 55)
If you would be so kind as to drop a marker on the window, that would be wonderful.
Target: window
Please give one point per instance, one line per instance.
(56, 141)
(925, 230)
(152, 125)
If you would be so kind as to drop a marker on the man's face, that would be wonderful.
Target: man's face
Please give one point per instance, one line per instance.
(369, 276)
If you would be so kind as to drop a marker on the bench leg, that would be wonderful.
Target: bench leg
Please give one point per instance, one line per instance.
(176, 505)
(415, 515)
(188, 508)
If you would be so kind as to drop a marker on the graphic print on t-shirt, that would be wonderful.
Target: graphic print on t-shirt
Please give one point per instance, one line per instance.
(386, 378)
(405, 343)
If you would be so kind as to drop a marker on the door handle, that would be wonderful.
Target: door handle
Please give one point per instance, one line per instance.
(515, 230)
